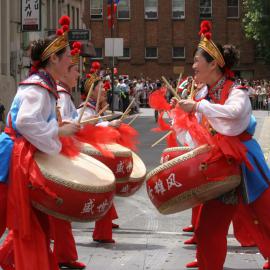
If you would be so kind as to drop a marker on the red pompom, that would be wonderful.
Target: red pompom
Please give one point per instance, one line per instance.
(77, 45)
(88, 75)
(64, 20)
(92, 70)
(65, 28)
(205, 29)
(208, 35)
(207, 25)
(96, 65)
(59, 32)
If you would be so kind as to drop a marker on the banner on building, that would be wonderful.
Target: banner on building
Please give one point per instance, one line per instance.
(31, 15)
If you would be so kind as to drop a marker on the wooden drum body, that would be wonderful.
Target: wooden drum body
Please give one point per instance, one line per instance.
(84, 186)
(173, 152)
(136, 179)
(121, 164)
(188, 180)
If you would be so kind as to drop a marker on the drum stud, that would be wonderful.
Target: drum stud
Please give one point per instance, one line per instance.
(59, 201)
(230, 161)
(203, 166)
(30, 186)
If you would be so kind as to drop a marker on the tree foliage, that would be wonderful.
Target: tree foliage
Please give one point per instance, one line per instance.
(257, 25)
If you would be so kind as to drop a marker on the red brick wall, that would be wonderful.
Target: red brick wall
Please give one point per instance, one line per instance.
(166, 33)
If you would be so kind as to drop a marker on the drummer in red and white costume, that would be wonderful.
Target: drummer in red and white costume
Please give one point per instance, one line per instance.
(65, 85)
(32, 125)
(226, 112)
(103, 227)
(64, 243)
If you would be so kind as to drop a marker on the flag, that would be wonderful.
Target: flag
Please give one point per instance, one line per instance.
(110, 15)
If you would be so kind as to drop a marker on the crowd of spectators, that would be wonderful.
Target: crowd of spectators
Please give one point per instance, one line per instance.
(126, 89)
(259, 92)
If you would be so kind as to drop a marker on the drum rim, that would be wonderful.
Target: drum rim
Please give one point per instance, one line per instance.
(142, 177)
(79, 187)
(95, 152)
(187, 194)
(178, 148)
(177, 160)
(58, 215)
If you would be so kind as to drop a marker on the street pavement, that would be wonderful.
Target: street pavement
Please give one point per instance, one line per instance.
(147, 240)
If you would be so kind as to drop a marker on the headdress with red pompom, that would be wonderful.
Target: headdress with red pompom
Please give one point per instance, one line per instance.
(75, 52)
(208, 45)
(93, 76)
(61, 41)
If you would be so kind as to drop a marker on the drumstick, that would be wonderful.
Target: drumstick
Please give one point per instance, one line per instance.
(98, 98)
(161, 139)
(103, 110)
(59, 116)
(124, 116)
(96, 119)
(127, 109)
(192, 89)
(133, 119)
(179, 80)
(85, 104)
(171, 88)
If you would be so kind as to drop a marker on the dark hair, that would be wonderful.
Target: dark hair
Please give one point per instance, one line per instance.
(229, 53)
(39, 46)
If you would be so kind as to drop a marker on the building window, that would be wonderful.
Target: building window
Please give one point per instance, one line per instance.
(96, 9)
(178, 52)
(151, 52)
(178, 9)
(99, 53)
(205, 9)
(126, 54)
(233, 8)
(123, 9)
(151, 9)
(78, 18)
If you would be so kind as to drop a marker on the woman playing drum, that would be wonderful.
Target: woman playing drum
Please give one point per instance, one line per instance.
(103, 227)
(32, 125)
(64, 243)
(226, 111)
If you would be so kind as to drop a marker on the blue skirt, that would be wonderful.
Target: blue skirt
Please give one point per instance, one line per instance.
(6, 146)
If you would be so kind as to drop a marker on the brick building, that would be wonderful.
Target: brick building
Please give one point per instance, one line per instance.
(160, 36)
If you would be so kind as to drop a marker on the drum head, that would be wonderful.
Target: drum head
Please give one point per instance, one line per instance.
(139, 169)
(117, 149)
(80, 172)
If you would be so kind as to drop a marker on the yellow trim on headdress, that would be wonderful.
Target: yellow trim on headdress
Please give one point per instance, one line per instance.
(210, 47)
(61, 41)
(90, 80)
(58, 44)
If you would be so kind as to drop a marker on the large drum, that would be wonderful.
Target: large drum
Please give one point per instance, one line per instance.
(84, 186)
(121, 164)
(188, 180)
(129, 187)
(173, 152)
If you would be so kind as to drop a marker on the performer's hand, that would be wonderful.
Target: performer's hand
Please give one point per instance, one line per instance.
(68, 129)
(173, 102)
(115, 123)
(187, 105)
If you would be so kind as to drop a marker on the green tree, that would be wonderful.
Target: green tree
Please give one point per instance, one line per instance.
(257, 25)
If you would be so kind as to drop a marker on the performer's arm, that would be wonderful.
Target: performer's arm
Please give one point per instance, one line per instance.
(32, 120)
(237, 105)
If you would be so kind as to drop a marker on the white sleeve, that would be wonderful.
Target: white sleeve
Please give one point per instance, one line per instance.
(63, 103)
(103, 124)
(32, 120)
(236, 105)
(88, 113)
